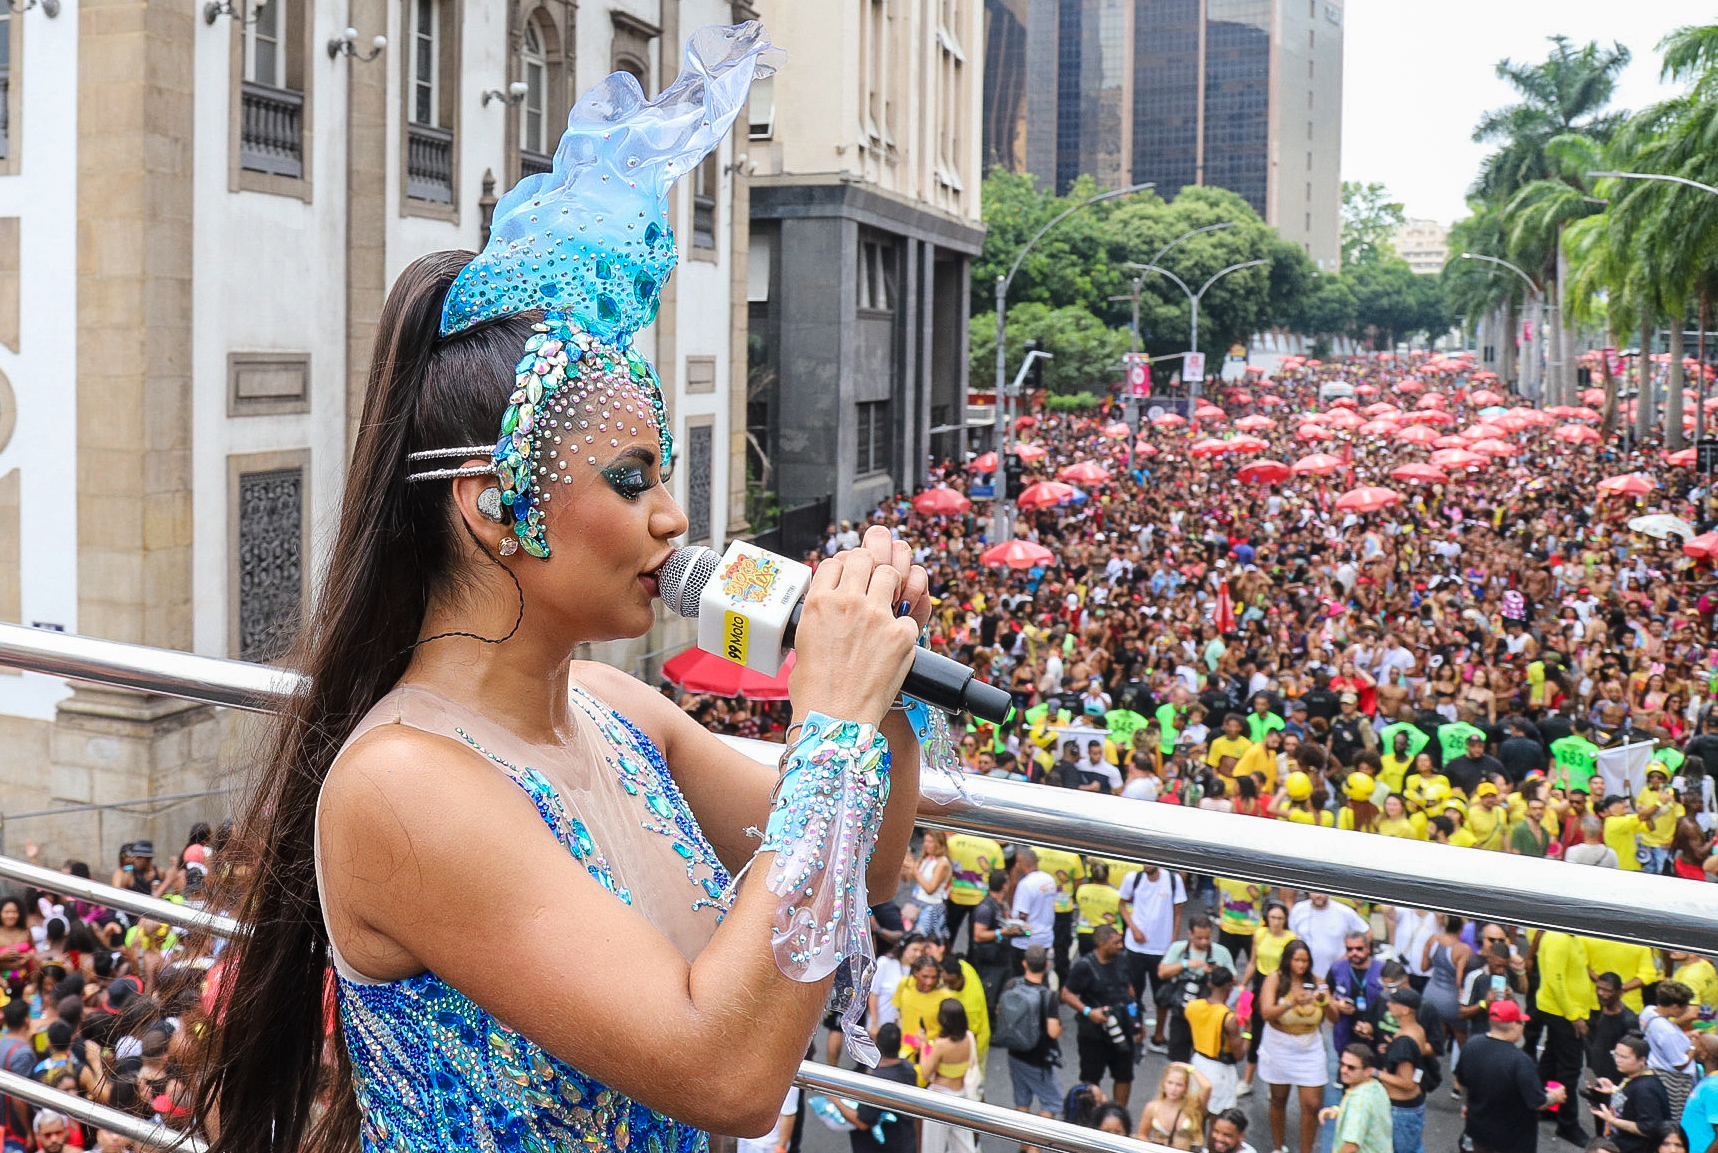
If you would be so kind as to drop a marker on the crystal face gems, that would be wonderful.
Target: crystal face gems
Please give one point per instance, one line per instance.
(568, 241)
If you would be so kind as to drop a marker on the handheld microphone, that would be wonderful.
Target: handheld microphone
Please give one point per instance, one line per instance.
(747, 604)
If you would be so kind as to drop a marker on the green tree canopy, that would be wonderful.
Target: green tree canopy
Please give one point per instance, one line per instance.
(1087, 352)
(1369, 223)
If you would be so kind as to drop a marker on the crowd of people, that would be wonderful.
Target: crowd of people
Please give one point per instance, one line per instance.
(1449, 662)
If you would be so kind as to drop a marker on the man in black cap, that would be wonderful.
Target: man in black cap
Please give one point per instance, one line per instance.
(1409, 1071)
(1468, 772)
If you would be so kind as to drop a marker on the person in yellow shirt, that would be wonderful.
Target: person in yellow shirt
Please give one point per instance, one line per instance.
(1622, 828)
(1660, 830)
(1427, 787)
(919, 995)
(1261, 759)
(1069, 869)
(1397, 821)
(1634, 964)
(1565, 1001)
(1455, 811)
(960, 981)
(1699, 975)
(972, 859)
(1359, 813)
(1296, 802)
(1488, 818)
(1098, 903)
(1226, 750)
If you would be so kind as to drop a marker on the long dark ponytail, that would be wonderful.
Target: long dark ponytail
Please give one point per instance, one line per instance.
(266, 1067)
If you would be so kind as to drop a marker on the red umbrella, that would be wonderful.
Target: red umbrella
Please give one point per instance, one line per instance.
(1416, 434)
(1255, 423)
(1584, 414)
(1429, 416)
(1312, 432)
(1021, 422)
(1168, 420)
(1453, 440)
(1248, 444)
(1020, 554)
(1482, 430)
(1210, 412)
(1318, 464)
(1581, 434)
(1343, 418)
(1510, 422)
(1365, 390)
(1269, 401)
(1210, 446)
(1492, 446)
(1629, 484)
(1593, 396)
(1704, 546)
(1563, 410)
(697, 671)
(1118, 431)
(1368, 498)
(1265, 472)
(1380, 408)
(1431, 400)
(1144, 448)
(1377, 428)
(1686, 458)
(941, 502)
(1409, 385)
(1030, 452)
(1421, 474)
(1459, 458)
(1484, 398)
(1345, 402)
(985, 462)
(1086, 472)
(1045, 494)
(1255, 369)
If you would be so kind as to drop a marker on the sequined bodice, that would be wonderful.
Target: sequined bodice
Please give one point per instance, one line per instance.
(434, 1071)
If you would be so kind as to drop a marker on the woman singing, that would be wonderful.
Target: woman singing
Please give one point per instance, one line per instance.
(451, 763)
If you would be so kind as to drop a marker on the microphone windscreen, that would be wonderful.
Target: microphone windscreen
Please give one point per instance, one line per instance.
(682, 578)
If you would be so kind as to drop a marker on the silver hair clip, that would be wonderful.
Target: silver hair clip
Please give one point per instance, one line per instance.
(469, 450)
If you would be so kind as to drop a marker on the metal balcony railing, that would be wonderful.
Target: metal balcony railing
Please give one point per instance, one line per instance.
(271, 129)
(533, 163)
(429, 163)
(1662, 912)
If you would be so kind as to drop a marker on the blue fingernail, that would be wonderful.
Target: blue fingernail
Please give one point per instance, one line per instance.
(906, 607)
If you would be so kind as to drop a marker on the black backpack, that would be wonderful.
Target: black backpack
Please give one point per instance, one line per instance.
(1020, 1014)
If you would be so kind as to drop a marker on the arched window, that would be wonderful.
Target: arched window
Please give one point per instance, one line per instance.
(533, 111)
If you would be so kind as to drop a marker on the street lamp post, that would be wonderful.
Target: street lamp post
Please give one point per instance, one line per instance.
(1193, 299)
(1003, 406)
(1700, 390)
(1538, 318)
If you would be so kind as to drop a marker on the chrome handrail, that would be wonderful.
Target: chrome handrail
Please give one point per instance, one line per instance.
(1027, 1128)
(145, 1133)
(125, 900)
(1663, 912)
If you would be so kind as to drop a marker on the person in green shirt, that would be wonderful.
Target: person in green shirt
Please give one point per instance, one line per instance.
(1416, 737)
(1262, 720)
(1529, 837)
(1452, 738)
(1574, 759)
(1167, 715)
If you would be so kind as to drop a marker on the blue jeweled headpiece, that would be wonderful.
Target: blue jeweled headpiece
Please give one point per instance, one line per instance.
(589, 243)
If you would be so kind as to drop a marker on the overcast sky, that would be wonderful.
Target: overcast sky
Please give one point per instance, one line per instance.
(1417, 77)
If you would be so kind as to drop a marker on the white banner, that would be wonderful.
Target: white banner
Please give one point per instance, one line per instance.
(1623, 769)
(1193, 366)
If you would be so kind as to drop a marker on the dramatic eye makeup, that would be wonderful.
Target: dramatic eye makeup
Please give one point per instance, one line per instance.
(631, 475)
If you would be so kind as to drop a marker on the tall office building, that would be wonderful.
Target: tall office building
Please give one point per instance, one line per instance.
(1237, 94)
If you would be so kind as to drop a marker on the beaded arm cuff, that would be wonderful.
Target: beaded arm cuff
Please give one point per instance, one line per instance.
(940, 776)
(822, 828)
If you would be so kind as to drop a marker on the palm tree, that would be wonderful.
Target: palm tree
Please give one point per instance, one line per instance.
(1566, 94)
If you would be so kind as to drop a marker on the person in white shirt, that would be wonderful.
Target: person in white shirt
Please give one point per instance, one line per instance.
(1322, 923)
(1034, 903)
(1409, 932)
(1150, 908)
(847, 538)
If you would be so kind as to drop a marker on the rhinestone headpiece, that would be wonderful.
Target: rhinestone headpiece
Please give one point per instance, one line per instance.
(589, 243)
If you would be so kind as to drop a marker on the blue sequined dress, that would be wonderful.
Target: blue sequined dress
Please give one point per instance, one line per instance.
(436, 1073)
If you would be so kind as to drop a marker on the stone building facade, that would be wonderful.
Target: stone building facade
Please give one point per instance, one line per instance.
(202, 206)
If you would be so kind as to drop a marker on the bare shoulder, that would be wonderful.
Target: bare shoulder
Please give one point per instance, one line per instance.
(660, 718)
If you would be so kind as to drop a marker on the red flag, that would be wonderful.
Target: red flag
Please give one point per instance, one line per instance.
(1225, 615)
